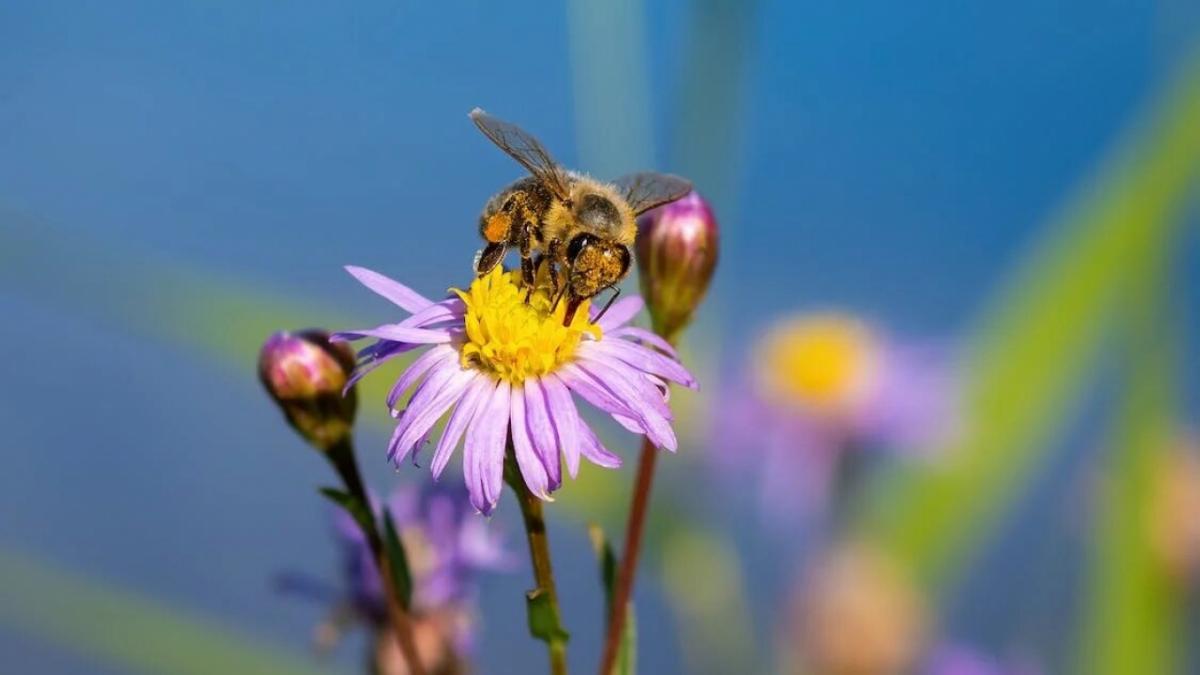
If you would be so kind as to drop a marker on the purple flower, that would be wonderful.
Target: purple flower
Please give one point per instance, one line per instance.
(306, 375)
(822, 387)
(446, 549)
(954, 659)
(502, 364)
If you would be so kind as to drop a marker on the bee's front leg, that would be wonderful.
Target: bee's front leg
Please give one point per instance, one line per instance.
(528, 272)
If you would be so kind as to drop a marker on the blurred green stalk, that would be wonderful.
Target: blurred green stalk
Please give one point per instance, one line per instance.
(117, 628)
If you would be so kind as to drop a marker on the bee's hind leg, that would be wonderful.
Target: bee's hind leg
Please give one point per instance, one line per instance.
(528, 269)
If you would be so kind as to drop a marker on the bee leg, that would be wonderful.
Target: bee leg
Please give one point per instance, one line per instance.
(489, 256)
(611, 300)
(528, 271)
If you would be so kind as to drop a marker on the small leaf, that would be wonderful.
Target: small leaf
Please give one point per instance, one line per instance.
(397, 560)
(544, 622)
(627, 653)
(353, 505)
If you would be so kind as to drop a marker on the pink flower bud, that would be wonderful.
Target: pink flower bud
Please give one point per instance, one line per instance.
(305, 373)
(676, 253)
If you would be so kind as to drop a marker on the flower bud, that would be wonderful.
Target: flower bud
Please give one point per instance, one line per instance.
(676, 253)
(305, 373)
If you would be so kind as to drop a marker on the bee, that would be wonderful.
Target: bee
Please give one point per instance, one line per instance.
(582, 227)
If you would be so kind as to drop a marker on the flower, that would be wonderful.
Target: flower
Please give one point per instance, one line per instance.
(676, 254)
(446, 549)
(1173, 512)
(956, 659)
(306, 375)
(825, 390)
(858, 614)
(504, 365)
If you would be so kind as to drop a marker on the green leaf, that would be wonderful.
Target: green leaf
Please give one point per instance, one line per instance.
(397, 561)
(354, 506)
(1037, 347)
(626, 663)
(544, 622)
(115, 628)
(1134, 618)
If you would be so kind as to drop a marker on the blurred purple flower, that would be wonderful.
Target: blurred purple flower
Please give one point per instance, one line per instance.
(822, 390)
(446, 549)
(503, 362)
(955, 659)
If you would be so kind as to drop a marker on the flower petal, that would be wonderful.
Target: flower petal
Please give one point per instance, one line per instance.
(396, 333)
(565, 418)
(431, 358)
(644, 359)
(648, 407)
(541, 431)
(408, 299)
(582, 384)
(443, 387)
(463, 413)
(621, 313)
(483, 458)
(649, 337)
(446, 310)
(532, 469)
(594, 450)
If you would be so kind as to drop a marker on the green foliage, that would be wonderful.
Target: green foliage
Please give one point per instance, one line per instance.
(626, 663)
(127, 631)
(1034, 354)
(397, 561)
(544, 622)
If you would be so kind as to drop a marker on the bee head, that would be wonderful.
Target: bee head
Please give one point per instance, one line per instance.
(595, 264)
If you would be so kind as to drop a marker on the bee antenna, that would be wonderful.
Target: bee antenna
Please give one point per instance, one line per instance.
(611, 300)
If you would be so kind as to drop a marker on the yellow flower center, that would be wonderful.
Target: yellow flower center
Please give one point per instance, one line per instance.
(824, 362)
(513, 338)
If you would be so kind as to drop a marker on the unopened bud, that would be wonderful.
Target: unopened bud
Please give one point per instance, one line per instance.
(305, 373)
(676, 253)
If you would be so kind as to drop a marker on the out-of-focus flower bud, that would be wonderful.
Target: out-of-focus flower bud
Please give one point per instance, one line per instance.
(676, 254)
(1174, 512)
(305, 373)
(858, 615)
(434, 634)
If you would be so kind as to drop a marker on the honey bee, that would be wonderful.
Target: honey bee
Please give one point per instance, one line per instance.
(582, 227)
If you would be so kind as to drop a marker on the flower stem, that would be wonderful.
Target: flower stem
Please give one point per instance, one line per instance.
(539, 554)
(629, 560)
(342, 458)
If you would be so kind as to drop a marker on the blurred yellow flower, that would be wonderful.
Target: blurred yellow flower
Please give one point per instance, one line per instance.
(825, 363)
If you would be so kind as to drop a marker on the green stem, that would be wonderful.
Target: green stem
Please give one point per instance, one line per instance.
(539, 554)
(341, 456)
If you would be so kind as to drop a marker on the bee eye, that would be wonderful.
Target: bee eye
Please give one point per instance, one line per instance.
(577, 245)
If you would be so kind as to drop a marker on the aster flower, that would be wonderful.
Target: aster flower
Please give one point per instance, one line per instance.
(447, 549)
(957, 659)
(824, 390)
(502, 364)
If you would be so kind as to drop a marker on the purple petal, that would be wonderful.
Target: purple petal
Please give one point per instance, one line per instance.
(459, 419)
(541, 431)
(377, 357)
(649, 337)
(531, 465)
(643, 359)
(446, 310)
(582, 384)
(483, 458)
(594, 450)
(443, 387)
(431, 358)
(393, 290)
(565, 418)
(621, 312)
(647, 406)
(396, 333)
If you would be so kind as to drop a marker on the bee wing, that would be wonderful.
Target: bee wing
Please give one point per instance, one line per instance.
(524, 148)
(647, 190)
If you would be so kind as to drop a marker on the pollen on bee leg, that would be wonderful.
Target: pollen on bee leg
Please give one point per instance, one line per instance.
(497, 226)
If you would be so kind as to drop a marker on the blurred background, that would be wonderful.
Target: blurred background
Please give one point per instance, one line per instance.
(1009, 191)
